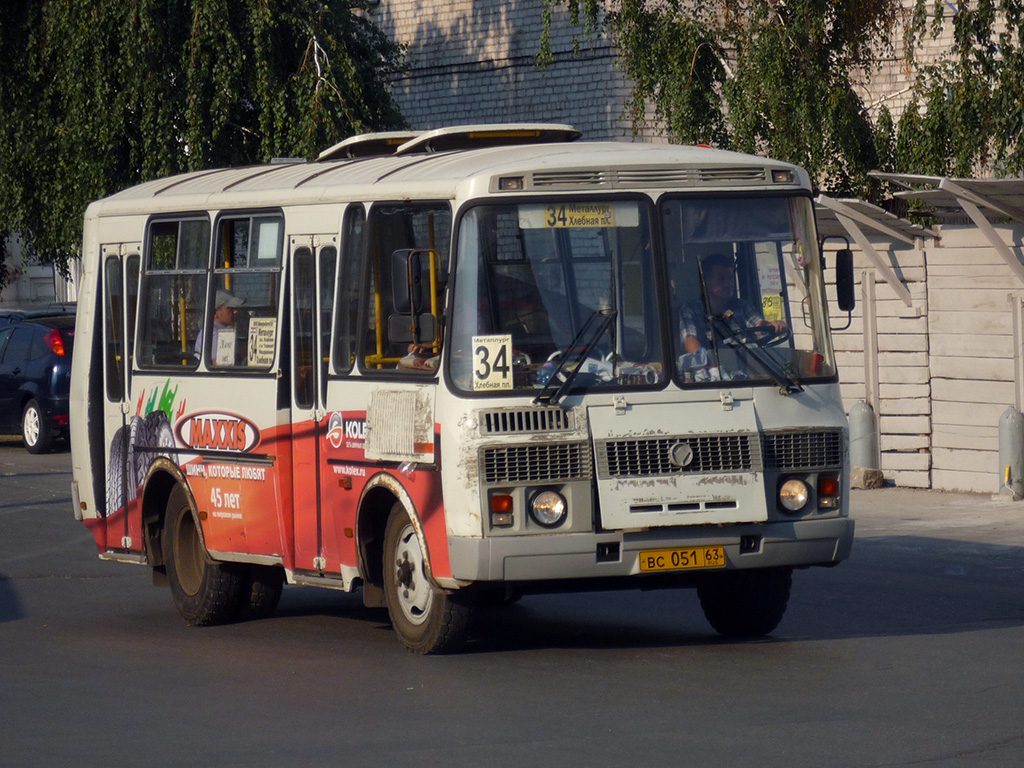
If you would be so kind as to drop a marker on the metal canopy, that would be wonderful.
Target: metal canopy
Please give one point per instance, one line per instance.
(849, 218)
(877, 219)
(985, 200)
(997, 199)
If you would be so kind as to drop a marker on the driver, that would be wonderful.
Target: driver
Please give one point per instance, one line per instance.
(720, 286)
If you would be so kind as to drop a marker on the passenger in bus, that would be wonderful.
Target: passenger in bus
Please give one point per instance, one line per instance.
(225, 316)
(720, 288)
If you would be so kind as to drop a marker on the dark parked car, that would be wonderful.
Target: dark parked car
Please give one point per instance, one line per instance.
(35, 379)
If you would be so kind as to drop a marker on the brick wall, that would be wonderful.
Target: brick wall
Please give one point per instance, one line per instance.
(474, 62)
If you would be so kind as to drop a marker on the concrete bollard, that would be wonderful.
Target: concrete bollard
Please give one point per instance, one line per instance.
(864, 448)
(1011, 454)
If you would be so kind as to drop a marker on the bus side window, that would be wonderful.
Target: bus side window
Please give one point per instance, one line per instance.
(395, 228)
(346, 315)
(173, 293)
(114, 324)
(242, 315)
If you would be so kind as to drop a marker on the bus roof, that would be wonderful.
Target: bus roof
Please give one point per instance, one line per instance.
(558, 166)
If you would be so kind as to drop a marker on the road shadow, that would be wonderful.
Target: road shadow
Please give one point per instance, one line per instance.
(892, 586)
(10, 603)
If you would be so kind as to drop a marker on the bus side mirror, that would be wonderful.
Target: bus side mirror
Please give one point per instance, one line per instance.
(408, 271)
(845, 294)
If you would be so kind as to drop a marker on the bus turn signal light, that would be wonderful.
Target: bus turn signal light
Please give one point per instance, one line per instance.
(828, 492)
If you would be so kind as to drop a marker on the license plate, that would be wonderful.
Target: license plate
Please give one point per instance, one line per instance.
(682, 558)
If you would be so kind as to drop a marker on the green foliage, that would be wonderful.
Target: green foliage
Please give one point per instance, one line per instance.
(100, 95)
(752, 75)
(970, 113)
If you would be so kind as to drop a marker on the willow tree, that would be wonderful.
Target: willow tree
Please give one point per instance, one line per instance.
(101, 95)
(968, 109)
(768, 76)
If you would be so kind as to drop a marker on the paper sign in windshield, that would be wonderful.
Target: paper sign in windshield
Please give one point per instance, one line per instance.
(492, 362)
(581, 215)
(261, 341)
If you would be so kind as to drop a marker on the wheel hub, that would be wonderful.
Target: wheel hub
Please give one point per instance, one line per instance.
(414, 591)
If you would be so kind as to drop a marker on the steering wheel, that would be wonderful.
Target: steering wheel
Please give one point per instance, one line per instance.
(763, 335)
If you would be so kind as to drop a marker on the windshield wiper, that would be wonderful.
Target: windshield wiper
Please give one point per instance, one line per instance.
(576, 352)
(788, 385)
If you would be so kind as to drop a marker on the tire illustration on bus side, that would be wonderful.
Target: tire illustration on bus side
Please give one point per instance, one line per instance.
(204, 591)
(745, 603)
(426, 619)
(35, 433)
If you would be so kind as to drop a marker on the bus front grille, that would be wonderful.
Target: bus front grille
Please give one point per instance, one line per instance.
(802, 450)
(513, 421)
(536, 463)
(693, 454)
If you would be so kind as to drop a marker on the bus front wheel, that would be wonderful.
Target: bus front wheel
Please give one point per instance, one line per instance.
(426, 618)
(748, 603)
(204, 591)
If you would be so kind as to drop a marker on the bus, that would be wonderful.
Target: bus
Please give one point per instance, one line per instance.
(455, 367)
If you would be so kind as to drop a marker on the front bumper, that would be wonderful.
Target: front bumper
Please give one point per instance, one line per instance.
(616, 554)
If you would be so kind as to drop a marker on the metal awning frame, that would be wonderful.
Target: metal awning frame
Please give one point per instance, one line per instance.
(852, 220)
(974, 203)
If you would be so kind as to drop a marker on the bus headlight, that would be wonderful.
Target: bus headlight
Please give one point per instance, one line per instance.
(793, 495)
(549, 508)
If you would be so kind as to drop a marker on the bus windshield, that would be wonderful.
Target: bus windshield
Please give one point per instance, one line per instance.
(746, 293)
(551, 291)
(555, 290)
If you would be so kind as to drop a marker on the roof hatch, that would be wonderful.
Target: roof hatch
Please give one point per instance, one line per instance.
(494, 135)
(368, 145)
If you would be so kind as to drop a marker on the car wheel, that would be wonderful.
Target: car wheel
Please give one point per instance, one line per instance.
(35, 433)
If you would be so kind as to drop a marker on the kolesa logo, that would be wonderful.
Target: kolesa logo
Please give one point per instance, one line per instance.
(218, 431)
(348, 431)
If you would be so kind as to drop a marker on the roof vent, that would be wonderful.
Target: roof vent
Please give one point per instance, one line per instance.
(368, 145)
(493, 135)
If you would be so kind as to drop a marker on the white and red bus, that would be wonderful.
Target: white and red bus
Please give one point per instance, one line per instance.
(449, 367)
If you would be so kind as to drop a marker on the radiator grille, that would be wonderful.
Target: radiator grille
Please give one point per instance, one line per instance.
(802, 450)
(540, 463)
(652, 457)
(511, 422)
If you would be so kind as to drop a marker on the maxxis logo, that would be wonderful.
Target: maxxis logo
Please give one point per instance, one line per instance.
(217, 431)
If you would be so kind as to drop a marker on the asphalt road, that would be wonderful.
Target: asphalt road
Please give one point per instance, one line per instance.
(908, 654)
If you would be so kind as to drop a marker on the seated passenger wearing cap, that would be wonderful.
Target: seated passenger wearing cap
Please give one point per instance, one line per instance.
(225, 315)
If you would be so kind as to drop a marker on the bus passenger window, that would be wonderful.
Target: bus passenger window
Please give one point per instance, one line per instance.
(347, 313)
(242, 317)
(417, 237)
(173, 293)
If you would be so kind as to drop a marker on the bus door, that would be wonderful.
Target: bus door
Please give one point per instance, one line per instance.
(120, 297)
(314, 260)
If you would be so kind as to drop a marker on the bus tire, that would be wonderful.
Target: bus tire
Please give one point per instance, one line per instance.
(36, 434)
(426, 618)
(748, 603)
(205, 592)
(261, 592)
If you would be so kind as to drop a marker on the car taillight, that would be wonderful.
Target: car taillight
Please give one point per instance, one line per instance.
(54, 342)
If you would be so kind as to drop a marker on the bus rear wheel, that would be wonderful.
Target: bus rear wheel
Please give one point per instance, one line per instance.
(205, 592)
(426, 618)
(261, 591)
(748, 603)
